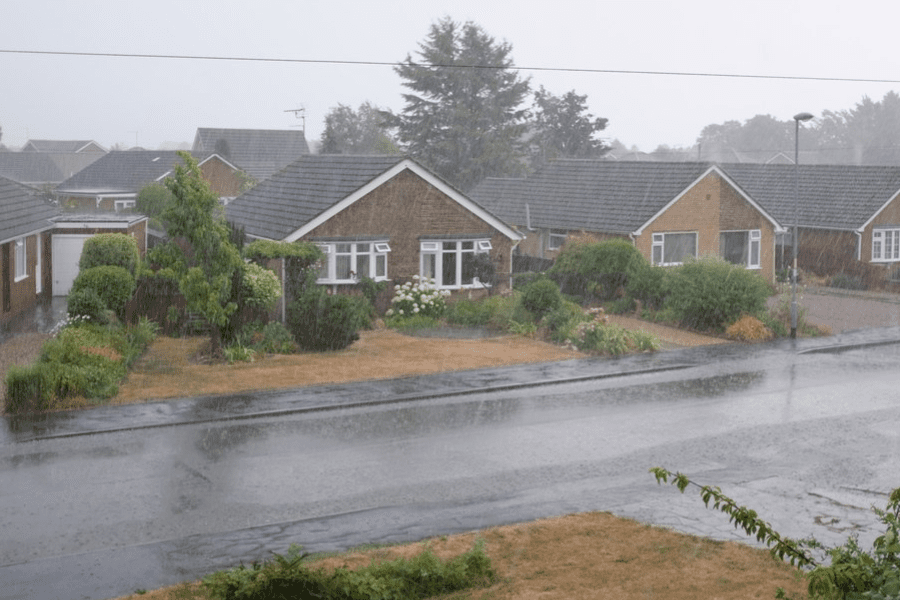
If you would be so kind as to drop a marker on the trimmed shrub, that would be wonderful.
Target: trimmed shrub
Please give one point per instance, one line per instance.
(110, 249)
(86, 302)
(261, 286)
(541, 297)
(595, 270)
(648, 284)
(320, 322)
(418, 297)
(710, 293)
(114, 285)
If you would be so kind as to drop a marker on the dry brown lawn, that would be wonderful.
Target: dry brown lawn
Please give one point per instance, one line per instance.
(589, 555)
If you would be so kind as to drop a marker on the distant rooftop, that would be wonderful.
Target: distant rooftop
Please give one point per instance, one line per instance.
(259, 152)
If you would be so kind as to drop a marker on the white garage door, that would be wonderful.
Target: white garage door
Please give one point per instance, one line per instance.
(66, 254)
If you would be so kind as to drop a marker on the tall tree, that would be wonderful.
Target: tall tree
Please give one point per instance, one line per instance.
(463, 116)
(209, 263)
(363, 131)
(564, 128)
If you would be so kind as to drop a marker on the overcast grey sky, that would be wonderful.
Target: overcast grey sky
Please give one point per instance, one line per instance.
(151, 101)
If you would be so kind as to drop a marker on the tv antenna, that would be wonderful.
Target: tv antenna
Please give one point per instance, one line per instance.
(299, 113)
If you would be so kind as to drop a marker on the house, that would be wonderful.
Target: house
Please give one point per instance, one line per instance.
(259, 152)
(44, 170)
(382, 217)
(848, 216)
(669, 211)
(112, 183)
(24, 245)
(73, 146)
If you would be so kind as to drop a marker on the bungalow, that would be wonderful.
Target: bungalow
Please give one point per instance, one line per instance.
(848, 216)
(112, 183)
(24, 245)
(259, 152)
(669, 211)
(382, 217)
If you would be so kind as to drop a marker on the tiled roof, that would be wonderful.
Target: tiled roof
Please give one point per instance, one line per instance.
(829, 196)
(62, 146)
(259, 152)
(593, 195)
(38, 168)
(123, 171)
(301, 191)
(23, 211)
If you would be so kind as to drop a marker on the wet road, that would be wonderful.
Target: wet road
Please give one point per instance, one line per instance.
(100, 503)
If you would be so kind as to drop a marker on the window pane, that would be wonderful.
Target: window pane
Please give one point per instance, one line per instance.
(657, 254)
(362, 265)
(448, 268)
(449, 245)
(468, 245)
(734, 247)
(363, 248)
(754, 254)
(679, 247)
(342, 266)
(381, 265)
(428, 263)
(343, 248)
(468, 268)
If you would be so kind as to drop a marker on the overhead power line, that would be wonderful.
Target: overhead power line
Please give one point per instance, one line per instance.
(442, 66)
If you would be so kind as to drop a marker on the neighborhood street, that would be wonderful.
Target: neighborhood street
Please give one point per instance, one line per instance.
(103, 502)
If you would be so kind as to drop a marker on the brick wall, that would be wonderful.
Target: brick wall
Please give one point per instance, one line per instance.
(22, 293)
(405, 208)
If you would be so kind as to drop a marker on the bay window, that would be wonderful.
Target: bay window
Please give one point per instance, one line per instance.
(451, 263)
(348, 262)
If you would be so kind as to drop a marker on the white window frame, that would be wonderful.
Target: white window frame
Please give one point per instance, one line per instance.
(433, 251)
(754, 243)
(886, 244)
(21, 252)
(378, 263)
(659, 244)
(121, 205)
(556, 238)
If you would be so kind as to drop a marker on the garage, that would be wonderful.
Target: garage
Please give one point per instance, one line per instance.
(66, 254)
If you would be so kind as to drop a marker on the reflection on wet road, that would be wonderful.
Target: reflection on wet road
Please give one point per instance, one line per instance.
(808, 440)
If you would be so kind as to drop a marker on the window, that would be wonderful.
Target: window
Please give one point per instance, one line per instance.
(21, 259)
(885, 245)
(348, 262)
(121, 205)
(740, 247)
(451, 264)
(557, 239)
(673, 248)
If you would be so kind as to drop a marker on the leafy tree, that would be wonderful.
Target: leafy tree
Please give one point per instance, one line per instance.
(463, 116)
(564, 128)
(151, 201)
(209, 263)
(356, 132)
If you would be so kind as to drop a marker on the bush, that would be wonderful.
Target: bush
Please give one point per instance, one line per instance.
(261, 287)
(110, 249)
(563, 320)
(522, 280)
(271, 338)
(87, 303)
(595, 269)
(418, 297)
(648, 284)
(748, 329)
(114, 285)
(597, 336)
(847, 282)
(541, 297)
(709, 293)
(319, 321)
(422, 576)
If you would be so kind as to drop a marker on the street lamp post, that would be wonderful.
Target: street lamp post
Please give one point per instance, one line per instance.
(795, 237)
